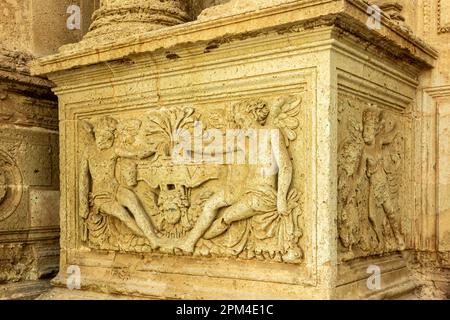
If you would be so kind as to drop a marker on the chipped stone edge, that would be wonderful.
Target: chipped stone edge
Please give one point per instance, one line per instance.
(318, 13)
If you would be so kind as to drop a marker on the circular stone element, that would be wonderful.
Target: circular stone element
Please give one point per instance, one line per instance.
(118, 19)
(130, 17)
(10, 185)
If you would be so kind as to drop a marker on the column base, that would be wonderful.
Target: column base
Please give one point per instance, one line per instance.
(24, 290)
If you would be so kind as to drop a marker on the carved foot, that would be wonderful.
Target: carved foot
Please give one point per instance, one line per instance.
(153, 244)
(167, 250)
(400, 242)
(165, 246)
(293, 256)
(185, 247)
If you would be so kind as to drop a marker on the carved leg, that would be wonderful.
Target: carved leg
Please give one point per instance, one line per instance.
(116, 210)
(238, 211)
(128, 199)
(212, 205)
(395, 226)
(374, 221)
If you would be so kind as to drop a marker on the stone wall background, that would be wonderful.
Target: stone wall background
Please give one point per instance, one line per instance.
(429, 20)
(29, 152)
(39, 27)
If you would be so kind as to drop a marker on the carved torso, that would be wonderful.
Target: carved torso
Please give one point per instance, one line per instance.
(102, 165)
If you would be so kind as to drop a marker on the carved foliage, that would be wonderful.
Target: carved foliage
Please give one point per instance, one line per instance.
(135, 197)
(16, 263)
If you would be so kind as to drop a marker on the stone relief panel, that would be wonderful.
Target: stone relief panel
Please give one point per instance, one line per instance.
(184, 180)
(443, 14)
(29, 174)
(372, 179)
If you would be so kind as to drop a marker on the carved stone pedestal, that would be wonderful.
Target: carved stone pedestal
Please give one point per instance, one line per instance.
(157, 202)
(29, 197)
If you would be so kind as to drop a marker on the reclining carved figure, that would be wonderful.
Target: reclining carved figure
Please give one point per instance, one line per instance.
(100, 187)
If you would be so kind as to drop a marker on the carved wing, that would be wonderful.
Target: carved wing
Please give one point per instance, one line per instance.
(350, 152)
(284, 113)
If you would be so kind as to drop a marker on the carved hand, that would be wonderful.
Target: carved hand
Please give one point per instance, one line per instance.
(282, 206)
(84, 208)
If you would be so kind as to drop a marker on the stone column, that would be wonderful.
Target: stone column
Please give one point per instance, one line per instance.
(29, 151)
(121, 18)
(29, 196)
(232, 7)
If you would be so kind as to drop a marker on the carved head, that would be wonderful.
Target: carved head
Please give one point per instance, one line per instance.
(173, 204)
(104, 130)
(251, 114)
(371, 119)
(129, 130)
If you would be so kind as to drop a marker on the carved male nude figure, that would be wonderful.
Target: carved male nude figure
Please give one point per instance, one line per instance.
(371, 164)
(107, 195)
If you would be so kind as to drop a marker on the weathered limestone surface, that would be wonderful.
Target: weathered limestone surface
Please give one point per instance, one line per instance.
(373, 189)
(233, 7)
(116, 19)
(29, 181)
(433, 219)
(29, 159)
(40, 27)
(342, 99)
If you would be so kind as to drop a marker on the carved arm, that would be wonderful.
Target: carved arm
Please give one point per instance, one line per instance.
(84, 187)
(389, 137)
(284, 164)
(356, 178)
(134, 155)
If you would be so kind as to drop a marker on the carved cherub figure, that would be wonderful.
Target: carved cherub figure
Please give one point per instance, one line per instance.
(371, 165)
(267, 186)
(99, 186)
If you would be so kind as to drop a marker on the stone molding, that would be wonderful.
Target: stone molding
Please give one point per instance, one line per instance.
(350, 15)
(442, 28)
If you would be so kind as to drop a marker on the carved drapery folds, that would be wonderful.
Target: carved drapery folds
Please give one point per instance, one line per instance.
(371, 176)
(148, 184)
